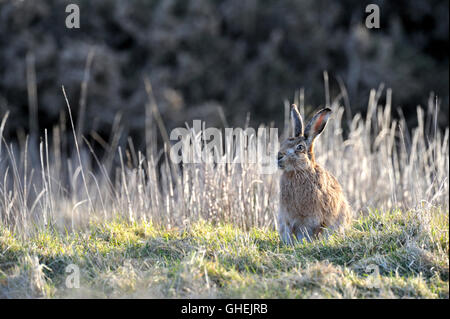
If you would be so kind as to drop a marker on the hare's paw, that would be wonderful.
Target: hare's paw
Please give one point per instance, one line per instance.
(304, 233)
(284, 230)
(287, 237)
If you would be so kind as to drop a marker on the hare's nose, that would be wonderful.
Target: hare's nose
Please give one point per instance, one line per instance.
(280, 161)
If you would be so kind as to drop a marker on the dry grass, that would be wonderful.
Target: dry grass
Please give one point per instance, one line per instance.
(381, 164)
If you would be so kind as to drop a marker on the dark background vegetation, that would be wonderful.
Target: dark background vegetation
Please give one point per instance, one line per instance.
(242, 55)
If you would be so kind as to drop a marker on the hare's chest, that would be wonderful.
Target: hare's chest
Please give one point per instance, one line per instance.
(298, 198)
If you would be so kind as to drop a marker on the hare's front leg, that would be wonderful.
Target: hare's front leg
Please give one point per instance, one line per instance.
(304, 233)
(284, 230)
(308, 228)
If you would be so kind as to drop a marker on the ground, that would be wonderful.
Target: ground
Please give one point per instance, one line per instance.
(385, 254)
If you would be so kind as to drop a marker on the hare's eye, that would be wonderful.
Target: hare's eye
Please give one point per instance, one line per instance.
(300, 147)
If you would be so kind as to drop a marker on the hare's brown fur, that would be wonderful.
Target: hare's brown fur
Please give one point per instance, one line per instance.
(311, 198)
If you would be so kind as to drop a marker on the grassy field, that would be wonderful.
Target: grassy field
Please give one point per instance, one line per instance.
(138, 260)
(136, 225)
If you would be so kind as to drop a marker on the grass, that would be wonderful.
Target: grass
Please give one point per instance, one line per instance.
(120, 259)
(136, 225)
(379, 162)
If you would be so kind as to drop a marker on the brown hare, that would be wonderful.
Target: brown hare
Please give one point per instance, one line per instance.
(311, 198)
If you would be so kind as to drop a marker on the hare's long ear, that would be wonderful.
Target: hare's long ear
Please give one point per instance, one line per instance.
(297, 121)
(317, 124)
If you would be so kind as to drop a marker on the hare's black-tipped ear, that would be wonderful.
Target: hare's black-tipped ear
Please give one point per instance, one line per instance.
(317, 124)
(297, 121)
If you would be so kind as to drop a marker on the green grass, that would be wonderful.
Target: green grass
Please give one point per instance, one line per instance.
(132, 260)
